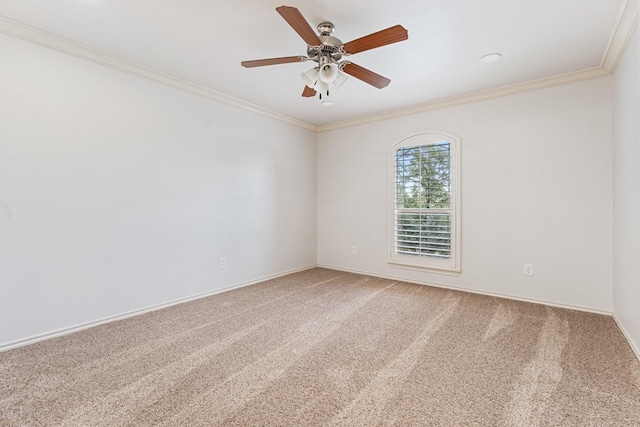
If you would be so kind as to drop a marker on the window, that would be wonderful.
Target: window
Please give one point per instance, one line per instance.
(425, 204)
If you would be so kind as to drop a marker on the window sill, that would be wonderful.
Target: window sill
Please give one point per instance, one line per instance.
(423, 268)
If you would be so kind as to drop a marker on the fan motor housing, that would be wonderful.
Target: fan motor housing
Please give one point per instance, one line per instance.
(330, 45)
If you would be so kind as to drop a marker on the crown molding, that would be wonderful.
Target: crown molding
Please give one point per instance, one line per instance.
(43, 38)
(622, 31)
(590, 73)
(624, 27)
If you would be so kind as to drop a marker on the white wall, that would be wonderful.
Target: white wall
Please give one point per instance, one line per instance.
(536, 188)
(117, 193)
(626, 208)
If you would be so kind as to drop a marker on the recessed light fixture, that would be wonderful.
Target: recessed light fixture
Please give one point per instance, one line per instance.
(327, 103)
(491, 58)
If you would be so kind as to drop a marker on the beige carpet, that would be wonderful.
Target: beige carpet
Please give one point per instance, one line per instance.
(328, 348)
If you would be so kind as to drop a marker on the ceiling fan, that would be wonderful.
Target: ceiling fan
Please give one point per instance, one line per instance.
(327, 51)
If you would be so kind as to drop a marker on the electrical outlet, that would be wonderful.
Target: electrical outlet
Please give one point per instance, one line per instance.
(354, 250)
(528, 269)
(223, 262)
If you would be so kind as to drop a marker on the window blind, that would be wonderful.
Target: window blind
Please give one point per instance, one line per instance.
(423, 200)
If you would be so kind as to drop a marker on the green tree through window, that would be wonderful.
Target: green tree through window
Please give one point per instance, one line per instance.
(423, 200)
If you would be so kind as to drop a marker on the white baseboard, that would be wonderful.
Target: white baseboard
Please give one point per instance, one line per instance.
(472, 291)
(71, 329)
(634, 346)
(60, 332)
(632, 343)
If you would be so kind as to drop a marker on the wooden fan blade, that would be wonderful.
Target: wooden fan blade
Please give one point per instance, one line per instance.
(273, 61)
(365, 75)
(308, 92)
(299, 24)
(382, 38)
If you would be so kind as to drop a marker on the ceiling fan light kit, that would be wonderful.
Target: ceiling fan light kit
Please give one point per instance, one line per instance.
(323, 75)
(327, 51)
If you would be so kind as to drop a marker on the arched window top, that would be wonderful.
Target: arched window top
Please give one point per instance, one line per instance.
(425, 205)
(426, 137)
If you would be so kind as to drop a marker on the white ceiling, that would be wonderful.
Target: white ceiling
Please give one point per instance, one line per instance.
(204, 42)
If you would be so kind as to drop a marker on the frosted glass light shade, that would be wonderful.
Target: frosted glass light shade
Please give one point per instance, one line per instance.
(310, 77)
(328, 73)
(339, 80)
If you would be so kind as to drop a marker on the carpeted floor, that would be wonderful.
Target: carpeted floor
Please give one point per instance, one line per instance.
(322, 347)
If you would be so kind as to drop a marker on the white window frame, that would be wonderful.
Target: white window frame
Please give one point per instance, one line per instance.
(452, 265)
